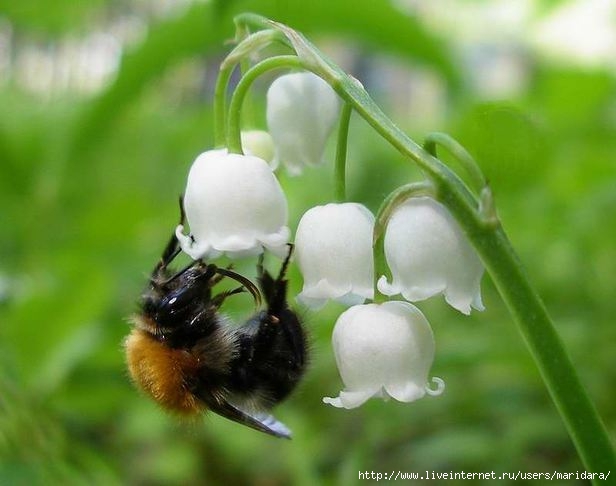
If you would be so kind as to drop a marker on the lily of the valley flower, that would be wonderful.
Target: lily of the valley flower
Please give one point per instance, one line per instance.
(383, 350)
(428, 254)
(333, 246)
(258, 143)
(301, 112)
(234, 205)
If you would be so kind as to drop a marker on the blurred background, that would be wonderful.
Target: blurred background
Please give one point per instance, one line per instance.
(105, 104)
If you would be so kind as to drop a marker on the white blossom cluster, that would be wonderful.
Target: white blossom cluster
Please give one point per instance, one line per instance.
(235, 205)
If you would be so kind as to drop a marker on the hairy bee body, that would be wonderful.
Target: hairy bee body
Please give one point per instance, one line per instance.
(163, 372)
(190, 359)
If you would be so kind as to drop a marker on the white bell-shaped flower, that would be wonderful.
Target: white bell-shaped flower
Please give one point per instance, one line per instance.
(258, 143)
(301, 112)
(234, 205)
(428, 254)
(383, 350)
(333, 248)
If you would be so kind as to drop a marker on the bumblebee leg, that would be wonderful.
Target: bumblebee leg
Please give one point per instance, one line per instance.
(275, 290)
(217, 278)
(220, 298)
(246, 283)
(285, 263)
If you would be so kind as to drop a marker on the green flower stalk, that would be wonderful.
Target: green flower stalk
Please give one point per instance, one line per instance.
(473, 210)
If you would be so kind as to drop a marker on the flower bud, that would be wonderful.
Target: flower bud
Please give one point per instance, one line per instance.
(301, 112)
(234, 205)
(258, 143)
(383, 350)
(428, 254)
(333, 248)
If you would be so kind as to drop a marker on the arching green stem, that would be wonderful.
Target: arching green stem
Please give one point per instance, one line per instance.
(489, 239)
(234, 142)
(247, 46)
(397, 197)
(248, 106)
(460, 154)
(341, 152)
(220, 104)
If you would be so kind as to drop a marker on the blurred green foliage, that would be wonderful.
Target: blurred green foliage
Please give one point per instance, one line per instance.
(88, 190)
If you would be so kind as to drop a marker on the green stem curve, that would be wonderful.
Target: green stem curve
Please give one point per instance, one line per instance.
(248, 45)
(460, 154)
(220, 104)
(388, 206)
(341, 152)
(486, 234)
(234, 141)
(397, 197)
(489, 239)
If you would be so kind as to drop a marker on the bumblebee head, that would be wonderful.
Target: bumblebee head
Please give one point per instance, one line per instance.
(170, 301)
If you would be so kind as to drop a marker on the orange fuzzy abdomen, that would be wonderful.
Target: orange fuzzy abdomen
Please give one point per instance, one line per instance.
(162, 372)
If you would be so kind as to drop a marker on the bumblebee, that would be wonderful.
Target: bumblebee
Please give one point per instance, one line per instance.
(189, 358)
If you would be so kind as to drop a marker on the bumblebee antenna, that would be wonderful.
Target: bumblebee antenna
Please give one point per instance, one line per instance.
(176, 275)
(251, 287)
(173, 248)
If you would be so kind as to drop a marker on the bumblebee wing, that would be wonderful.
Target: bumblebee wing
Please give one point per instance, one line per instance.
(272, 424)
(262, 422)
